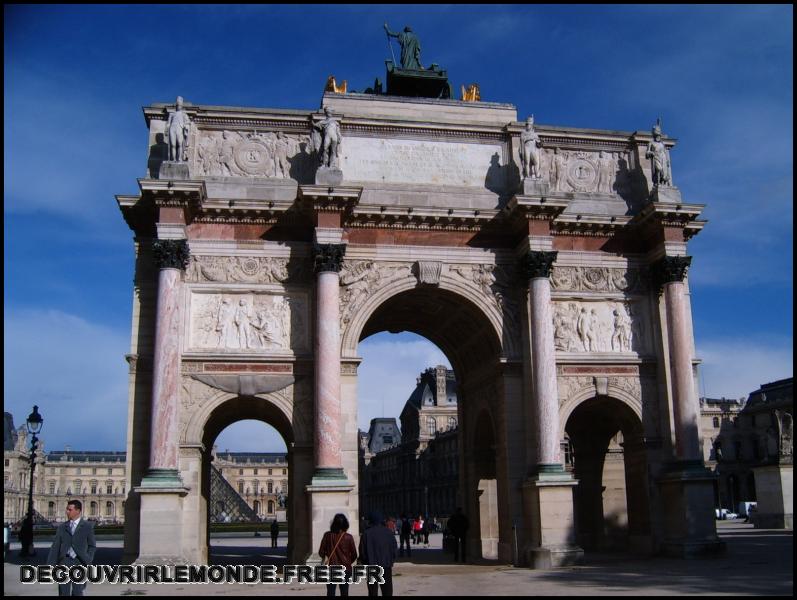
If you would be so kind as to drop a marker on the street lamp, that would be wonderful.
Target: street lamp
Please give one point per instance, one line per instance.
(34, 424)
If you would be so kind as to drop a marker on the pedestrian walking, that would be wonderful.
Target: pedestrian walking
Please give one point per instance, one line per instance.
(378, 547)
(275, 533)
(404, 535)
(458, 527)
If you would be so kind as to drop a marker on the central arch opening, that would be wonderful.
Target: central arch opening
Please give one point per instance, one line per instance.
(445, 457)
(608, 459)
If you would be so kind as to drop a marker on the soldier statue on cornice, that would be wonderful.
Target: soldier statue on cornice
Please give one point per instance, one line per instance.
(659, 158)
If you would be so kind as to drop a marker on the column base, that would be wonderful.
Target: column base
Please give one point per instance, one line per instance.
(161, 479)
(161, 530)
(550, 558)
(329, 497)
(548, 507)
(329, 476)
(687, 492)
(775, 490)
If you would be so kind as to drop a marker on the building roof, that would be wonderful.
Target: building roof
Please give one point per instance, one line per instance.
(427, 385)
(9, 433)
(86, 456)
(253, 457)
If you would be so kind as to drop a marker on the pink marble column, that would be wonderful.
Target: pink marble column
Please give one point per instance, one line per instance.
(683, 386)
(543, 359)
(328, 459)
(166, 372)
(171, 256)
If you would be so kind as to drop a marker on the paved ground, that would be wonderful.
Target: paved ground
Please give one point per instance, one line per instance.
(758, 562)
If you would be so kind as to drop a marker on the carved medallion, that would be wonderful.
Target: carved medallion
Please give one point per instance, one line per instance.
(582, 173)
(253, 157)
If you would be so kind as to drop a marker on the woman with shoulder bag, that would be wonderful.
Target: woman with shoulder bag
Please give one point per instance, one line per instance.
(338, 548)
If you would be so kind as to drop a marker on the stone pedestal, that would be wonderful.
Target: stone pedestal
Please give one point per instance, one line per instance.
(548, 508)
(161, 532)
(326, 500)
(666, 193)
(328, 176)
(173, 170)
(774, 485)
(535, 187)
(687, 493)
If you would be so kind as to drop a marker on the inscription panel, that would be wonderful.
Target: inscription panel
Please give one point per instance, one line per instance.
(414, 161)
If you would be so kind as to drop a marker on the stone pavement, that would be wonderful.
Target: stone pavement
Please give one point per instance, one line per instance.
(758, 562)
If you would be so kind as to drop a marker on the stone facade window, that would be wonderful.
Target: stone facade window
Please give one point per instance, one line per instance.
(93, 509)
(51, 509)
(270, 487)
(240, 487)
(432, 424)
(93, 487)
(109, 487)
(51, 487)
(269, 471)
(271, 507)
(716, 422)
(109, 509)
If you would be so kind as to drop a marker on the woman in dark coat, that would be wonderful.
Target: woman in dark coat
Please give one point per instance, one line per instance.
(337, 548)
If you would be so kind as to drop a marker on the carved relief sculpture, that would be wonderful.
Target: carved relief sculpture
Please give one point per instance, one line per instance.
(360, 279)
(252, 322)
(596, 327)
(558, 169)
(606, 173)
(598, 279)
(255, 154)
(238, 269)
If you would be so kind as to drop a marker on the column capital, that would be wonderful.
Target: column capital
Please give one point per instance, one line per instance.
(328, 257)
(670, 269)
(537, 263)
(171, 254)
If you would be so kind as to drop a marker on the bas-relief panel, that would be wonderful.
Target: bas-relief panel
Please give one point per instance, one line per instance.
(255, 154)
(248, 322)
(599, 279)
(416, 161)
(586, 172)
(588, 327)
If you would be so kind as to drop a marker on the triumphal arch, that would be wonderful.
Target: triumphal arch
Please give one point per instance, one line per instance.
(549, 264)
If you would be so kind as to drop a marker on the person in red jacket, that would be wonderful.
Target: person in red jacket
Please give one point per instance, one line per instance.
(337, 548)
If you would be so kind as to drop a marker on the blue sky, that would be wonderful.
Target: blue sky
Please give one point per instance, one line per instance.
(76, 77)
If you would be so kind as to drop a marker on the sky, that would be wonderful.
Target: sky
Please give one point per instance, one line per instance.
(76, 77)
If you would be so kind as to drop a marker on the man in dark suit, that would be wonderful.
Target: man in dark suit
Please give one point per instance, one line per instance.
(74, 544)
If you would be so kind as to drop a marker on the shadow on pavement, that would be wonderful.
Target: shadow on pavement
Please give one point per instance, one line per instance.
(247, 555)
(758, 562)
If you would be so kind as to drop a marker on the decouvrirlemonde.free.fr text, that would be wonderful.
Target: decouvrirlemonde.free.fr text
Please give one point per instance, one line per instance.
(147, 574)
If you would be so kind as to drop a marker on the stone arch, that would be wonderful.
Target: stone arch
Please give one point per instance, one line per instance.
(290, 424)
(351, 333)
(587, 393)
(279, 409)
(612, 504)
(467, 326)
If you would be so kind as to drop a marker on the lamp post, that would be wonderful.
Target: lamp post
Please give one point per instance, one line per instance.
(34, 424)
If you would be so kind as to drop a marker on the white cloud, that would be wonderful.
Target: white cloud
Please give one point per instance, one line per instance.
(388, 373)
(74, 370)
(735, 367)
